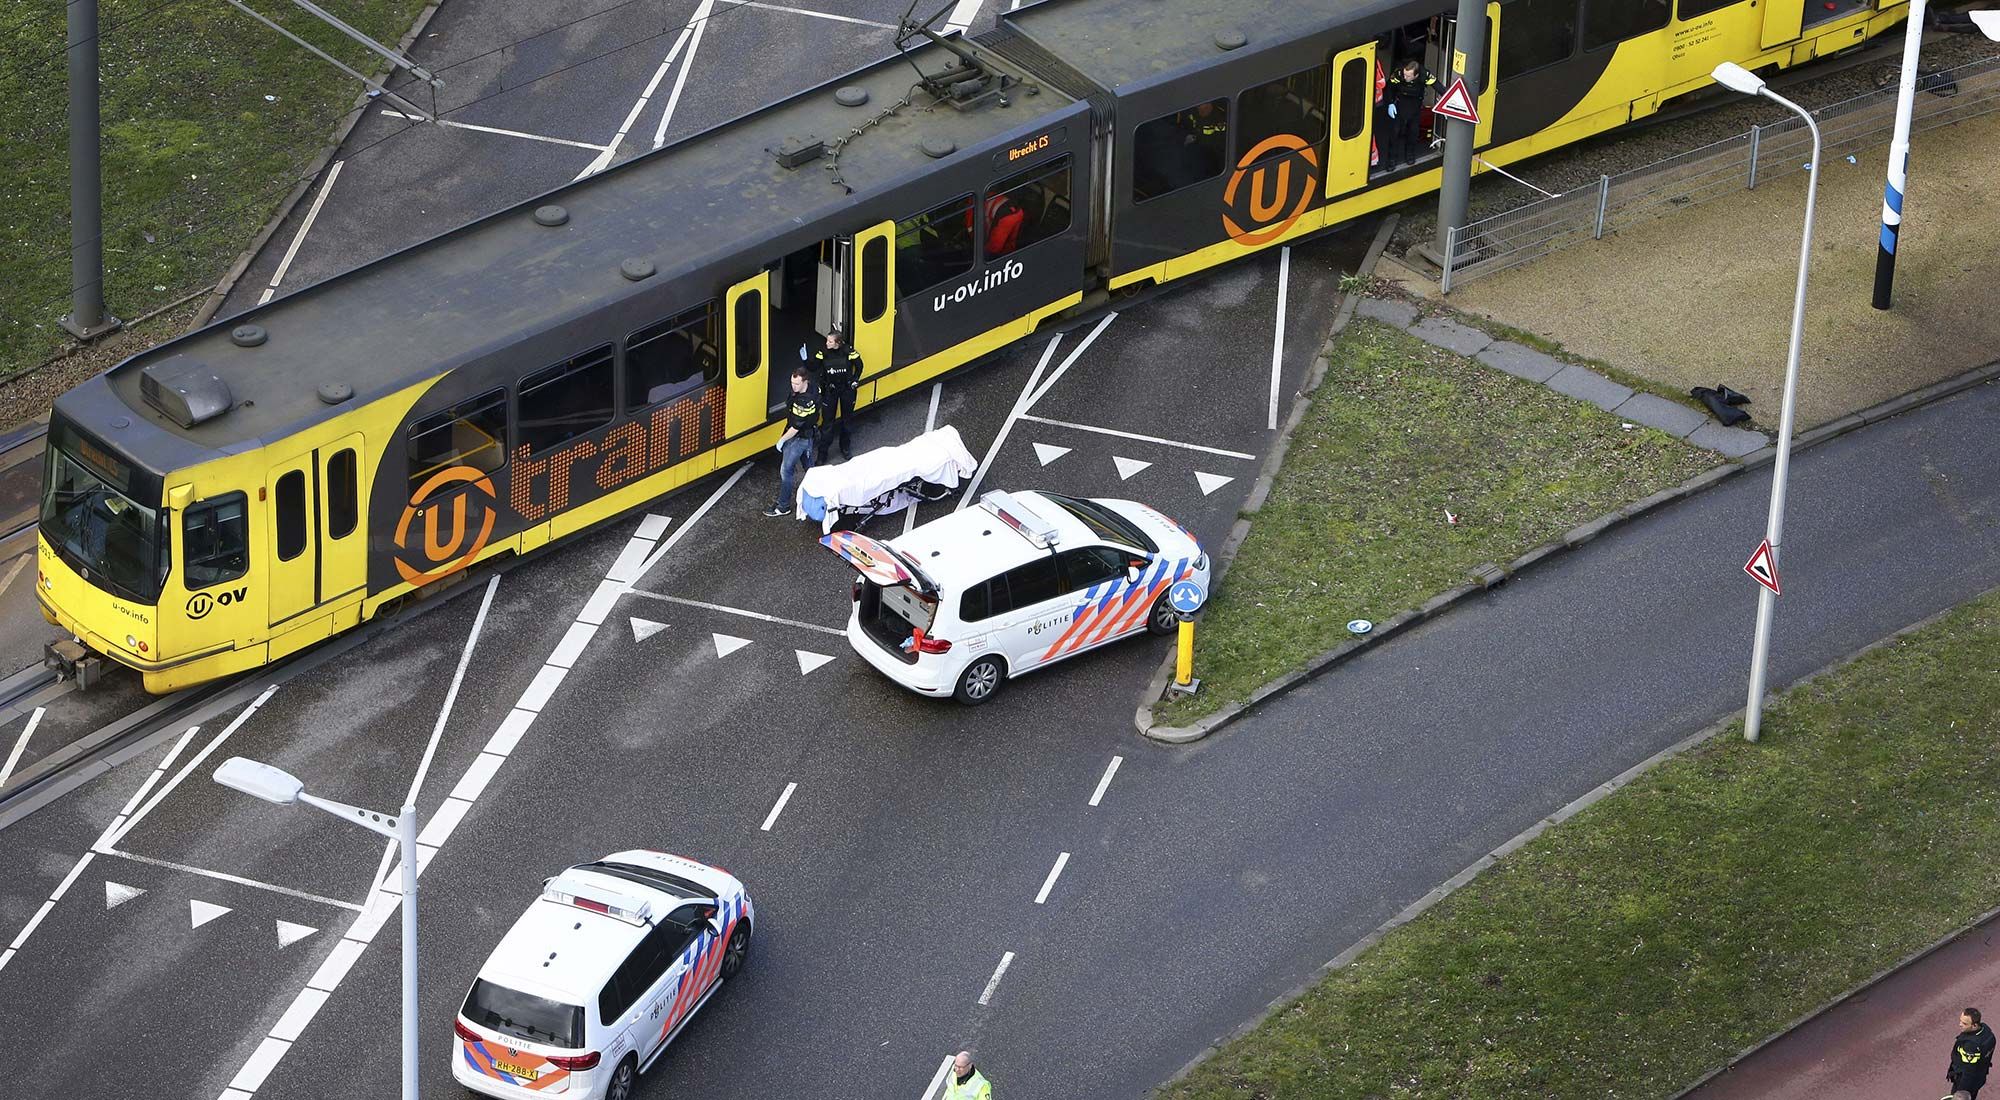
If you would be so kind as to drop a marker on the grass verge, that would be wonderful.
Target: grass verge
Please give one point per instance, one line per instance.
(208, 118)
(1401, 432)
(1631, 949)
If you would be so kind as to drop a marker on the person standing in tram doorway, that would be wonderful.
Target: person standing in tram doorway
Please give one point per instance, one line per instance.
(1406, 108)
(795, 447)
(839, 380)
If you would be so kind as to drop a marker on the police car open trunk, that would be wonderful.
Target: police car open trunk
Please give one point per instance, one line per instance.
(898, 601)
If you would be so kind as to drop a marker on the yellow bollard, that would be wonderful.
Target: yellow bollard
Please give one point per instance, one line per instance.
(1184, 665)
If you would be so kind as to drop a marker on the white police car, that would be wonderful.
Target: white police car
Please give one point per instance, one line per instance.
(599, 975)
(1022, 580)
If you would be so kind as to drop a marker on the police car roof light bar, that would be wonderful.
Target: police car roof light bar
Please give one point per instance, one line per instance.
(1016, 514)
(584, 895)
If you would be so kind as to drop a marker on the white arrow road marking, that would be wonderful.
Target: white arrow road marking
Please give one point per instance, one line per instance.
(810, 661)
(643, 629)
(201, 912)
(1049, 452)
(1128, 466)
(1211, 482)
(289, 933)
(117, 893)
(725, 644)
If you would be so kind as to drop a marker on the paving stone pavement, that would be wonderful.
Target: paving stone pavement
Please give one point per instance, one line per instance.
(1568, 379)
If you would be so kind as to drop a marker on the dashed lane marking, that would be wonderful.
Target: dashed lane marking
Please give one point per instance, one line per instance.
(772, 818)
(1050, 882)
(1278, 342)
(1104, 784)
(1140, 438)
(125, 825)
(962, 15)
(759, 615)
(937, 1079)
(993, 983)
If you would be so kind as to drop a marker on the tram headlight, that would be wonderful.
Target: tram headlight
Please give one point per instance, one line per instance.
(131, 642)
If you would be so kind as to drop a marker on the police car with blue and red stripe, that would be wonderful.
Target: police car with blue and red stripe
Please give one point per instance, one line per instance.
(1022, 580)
(601, 973)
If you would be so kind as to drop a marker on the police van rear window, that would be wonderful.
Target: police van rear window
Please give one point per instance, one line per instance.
(524, 1015)
(649, 876)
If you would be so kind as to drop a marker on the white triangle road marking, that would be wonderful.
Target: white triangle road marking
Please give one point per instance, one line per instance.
(1211, 482)
(725, 644)
(289, 933)
(643, 629)
(1128, 466)
(201, 912)
(1049, 452)
(117, 893)
(809, 661)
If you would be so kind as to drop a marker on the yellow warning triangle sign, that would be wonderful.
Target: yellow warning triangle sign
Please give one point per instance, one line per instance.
(1457, 102)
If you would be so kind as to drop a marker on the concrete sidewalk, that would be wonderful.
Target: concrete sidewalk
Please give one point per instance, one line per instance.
(1888, 1040)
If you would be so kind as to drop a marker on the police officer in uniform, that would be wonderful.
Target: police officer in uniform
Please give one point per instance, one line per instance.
(1971, 1056)
(839, 370)
(795, 447)
(966, 1083)
(1405, 109)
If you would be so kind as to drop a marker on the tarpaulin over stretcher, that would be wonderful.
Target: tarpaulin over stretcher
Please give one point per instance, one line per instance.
(936, 456)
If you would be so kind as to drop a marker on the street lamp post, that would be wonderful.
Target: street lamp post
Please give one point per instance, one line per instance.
(281, 787)
(1736, 78)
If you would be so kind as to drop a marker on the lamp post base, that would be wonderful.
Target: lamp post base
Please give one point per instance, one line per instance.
(87, 333)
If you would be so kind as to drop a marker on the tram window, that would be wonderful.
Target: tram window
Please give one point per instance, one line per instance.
(1609, 22)
(1353, 98)
(215, 541)
(934, 246)
(1030, 207)
(471, 433)
(1534, 33)
(1176, 150)
(1691, 9)
(874, 279)
(291, 515)
(677, 356)
(562, 402)
(343, 502)
(749, 325)
(1295, 105)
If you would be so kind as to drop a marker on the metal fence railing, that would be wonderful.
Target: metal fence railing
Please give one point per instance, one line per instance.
(1695, 176)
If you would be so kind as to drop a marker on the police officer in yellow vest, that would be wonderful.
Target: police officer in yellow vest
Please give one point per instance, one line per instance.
(966, 1083)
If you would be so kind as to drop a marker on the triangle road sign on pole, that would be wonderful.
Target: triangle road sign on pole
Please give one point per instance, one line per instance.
(1457, 102)
(1762, 569)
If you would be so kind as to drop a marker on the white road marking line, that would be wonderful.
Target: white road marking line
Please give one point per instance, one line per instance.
(1069, 361)
(305, 226)
(817, 14)
(689, 525)
(631, 558)
(1278, 344)
(1021, 404)
(15, 569)
(700, 25)
(544, 685)
(738, 611)
(1140, 438)
(35, 921)
(1050, 882)
(499, 130)
(221, 876)
(962, 16)
(937, 1079)
(20, 745)
(1104, 784)
(473, 783)
(653, 526)
(153, 777)
(107, 843)
(993, 983)
(603, 159)
(930, 423)
(772, 818)
(384, 903)
(571, 647)
(295, 1019)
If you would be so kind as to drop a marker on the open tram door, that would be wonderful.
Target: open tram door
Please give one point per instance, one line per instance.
(1348, 153)
(747, 355)
(1445, 61)
(864, 303)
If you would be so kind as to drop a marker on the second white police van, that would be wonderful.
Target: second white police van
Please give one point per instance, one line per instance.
(964, 602)
(599, 975)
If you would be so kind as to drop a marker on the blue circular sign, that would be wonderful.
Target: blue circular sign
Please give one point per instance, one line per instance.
(1186, 597)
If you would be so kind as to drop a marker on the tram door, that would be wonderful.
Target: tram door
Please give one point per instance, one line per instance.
(747, 358)
(291, 510)
(343, 548)
(1449, 63)
(1353, 114)
(871, 301)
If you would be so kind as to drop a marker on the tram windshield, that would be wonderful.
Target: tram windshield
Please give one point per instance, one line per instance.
(115, 541)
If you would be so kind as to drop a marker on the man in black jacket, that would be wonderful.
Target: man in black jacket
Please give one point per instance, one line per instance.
(839, 377)
(1404, 111)
(1971, 1054)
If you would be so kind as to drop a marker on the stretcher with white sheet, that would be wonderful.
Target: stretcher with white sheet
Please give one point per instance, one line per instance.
(885, 480)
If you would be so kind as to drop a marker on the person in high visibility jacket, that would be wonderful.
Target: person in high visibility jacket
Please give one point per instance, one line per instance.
(966, 1083)
(839, 379)
(1405, 110)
